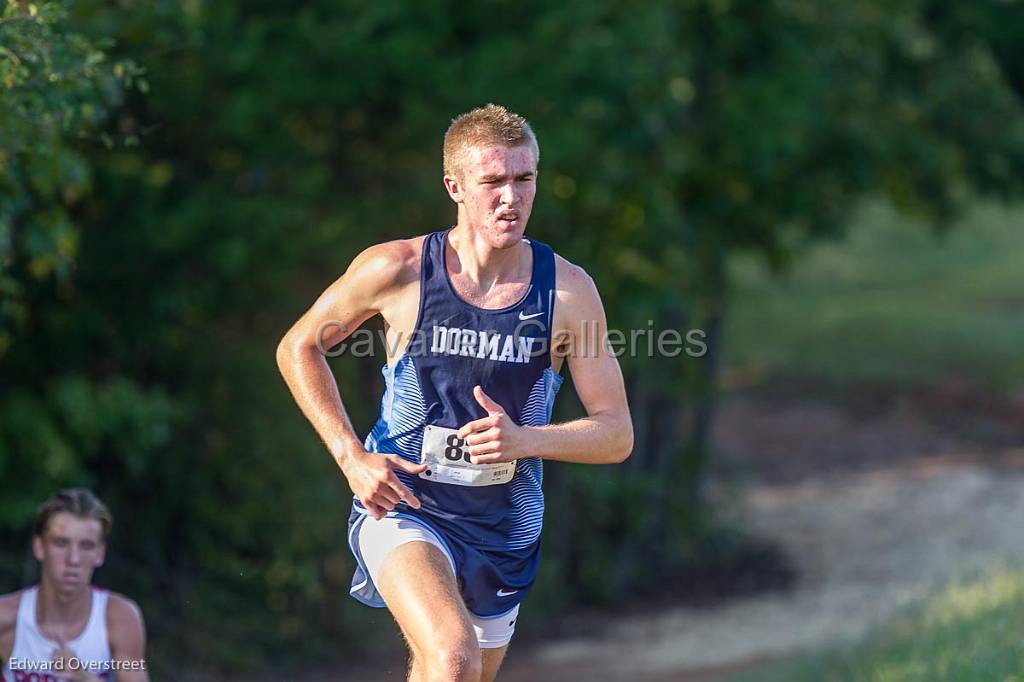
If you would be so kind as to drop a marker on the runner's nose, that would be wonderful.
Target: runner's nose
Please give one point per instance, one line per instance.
(508, 195)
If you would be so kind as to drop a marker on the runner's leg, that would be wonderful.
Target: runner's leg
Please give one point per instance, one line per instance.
(417, 583)
(492, 659)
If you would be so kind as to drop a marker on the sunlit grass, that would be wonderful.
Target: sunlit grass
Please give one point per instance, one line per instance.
(892, 302)
(971, 632)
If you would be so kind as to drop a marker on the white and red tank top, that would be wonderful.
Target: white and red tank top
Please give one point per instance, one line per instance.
(32, 656)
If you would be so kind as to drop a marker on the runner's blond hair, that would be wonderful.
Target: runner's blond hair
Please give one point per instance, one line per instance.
(491, 124)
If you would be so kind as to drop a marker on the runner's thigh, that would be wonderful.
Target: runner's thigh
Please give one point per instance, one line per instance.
(417, 583)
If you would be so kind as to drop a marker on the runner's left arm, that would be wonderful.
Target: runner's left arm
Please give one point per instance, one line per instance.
(605, 435)
(127, 634)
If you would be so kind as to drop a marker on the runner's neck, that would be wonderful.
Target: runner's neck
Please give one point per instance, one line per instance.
(474, 259)
(56, 610)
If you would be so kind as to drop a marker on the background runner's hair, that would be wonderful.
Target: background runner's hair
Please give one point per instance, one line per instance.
(491, 124)
(77, 501)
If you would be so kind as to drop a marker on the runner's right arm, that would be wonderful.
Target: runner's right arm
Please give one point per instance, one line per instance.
(377, 277)
(8, 621)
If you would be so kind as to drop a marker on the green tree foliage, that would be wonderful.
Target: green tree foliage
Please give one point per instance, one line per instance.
(55, 88)
(279, 139)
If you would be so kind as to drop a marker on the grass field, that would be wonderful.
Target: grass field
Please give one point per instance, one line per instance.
(892, 302)
(971, 632)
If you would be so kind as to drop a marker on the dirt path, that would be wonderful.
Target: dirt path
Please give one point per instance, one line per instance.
(866, 545)
(876, 508)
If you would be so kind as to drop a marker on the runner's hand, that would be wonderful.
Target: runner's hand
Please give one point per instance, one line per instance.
(494, 438)
(372, 478)
(65, 669)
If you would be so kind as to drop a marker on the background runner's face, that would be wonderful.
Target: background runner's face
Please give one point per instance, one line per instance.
(70, 549)
(497, 192)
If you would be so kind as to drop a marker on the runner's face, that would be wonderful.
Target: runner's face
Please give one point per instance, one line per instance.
(70, 549)
(497, 191)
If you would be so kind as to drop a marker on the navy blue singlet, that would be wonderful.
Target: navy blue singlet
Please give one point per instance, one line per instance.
(492, 531)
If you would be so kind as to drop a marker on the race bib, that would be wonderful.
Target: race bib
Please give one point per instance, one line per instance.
(447, 459)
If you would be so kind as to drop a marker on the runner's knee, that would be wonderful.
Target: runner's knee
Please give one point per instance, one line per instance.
(457, 662)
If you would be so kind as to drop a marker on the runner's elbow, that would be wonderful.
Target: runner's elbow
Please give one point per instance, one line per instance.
(623, 443)
(288, 349)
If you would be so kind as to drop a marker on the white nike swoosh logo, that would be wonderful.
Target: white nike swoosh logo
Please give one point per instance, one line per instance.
(527, 317)
(503, 593)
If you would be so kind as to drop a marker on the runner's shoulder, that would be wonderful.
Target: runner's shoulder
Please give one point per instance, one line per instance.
(390, 263)
(122, 612)
(576, 297)
(572, 280)
(9, 610)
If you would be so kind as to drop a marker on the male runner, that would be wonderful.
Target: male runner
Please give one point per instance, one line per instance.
(447, 513)
(63, 628)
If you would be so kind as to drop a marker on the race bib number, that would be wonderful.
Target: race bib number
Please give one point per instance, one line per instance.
(447, 459)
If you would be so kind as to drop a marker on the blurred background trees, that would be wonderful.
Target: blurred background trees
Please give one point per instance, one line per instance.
(161, 225)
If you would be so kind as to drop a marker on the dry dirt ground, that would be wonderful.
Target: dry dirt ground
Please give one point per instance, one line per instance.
(878, 499)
